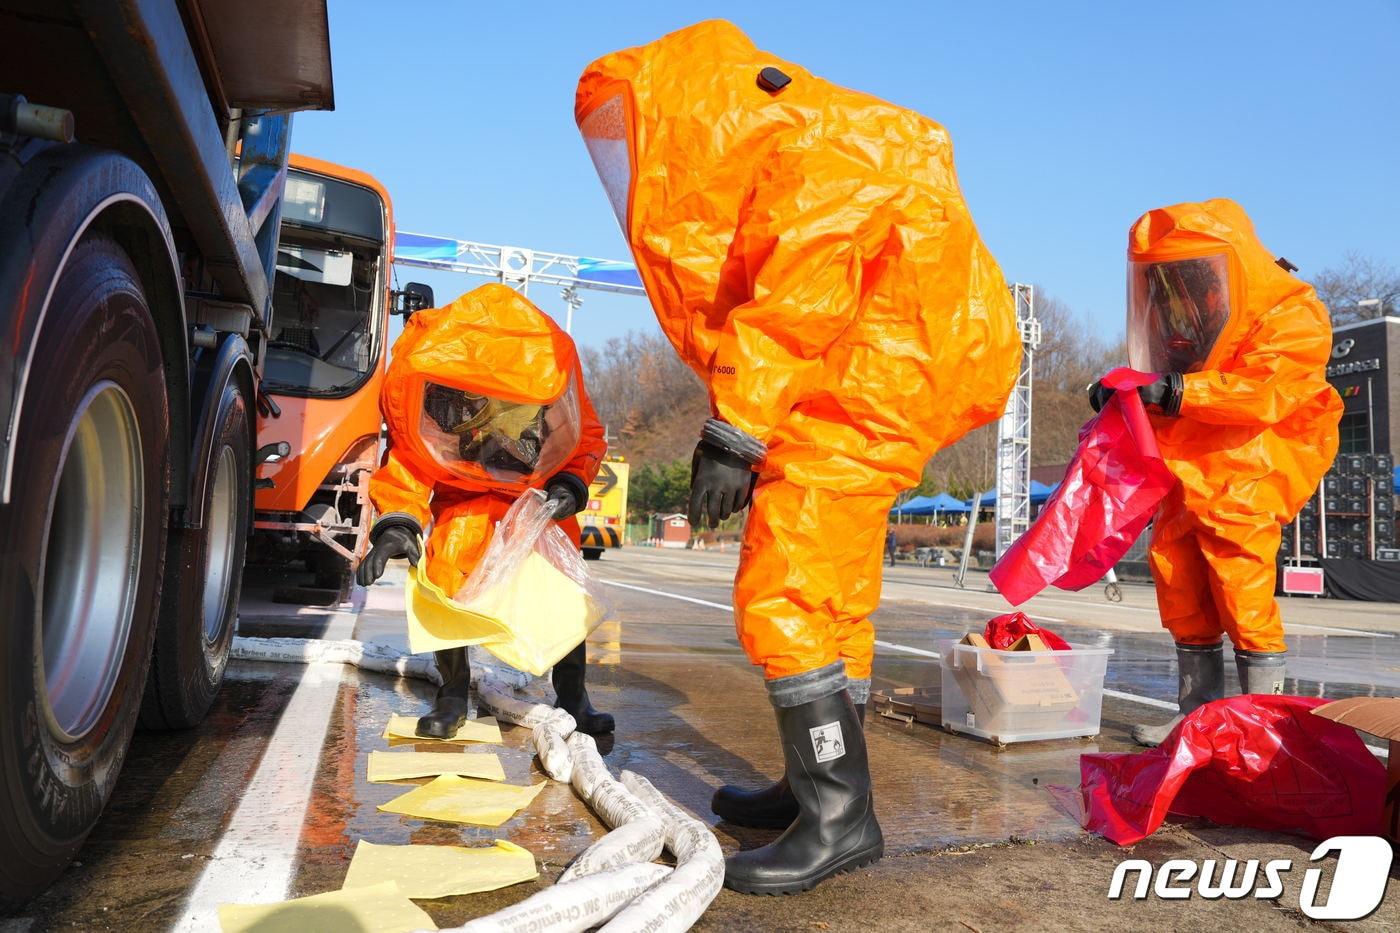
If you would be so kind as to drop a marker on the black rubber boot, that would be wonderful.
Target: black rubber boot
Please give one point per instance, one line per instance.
(452, 705)
(1200, 673)
(1261, 671)
(573, 697)
(835, 829)
(773, 807)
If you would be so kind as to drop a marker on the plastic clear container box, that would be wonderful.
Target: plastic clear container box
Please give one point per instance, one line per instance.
(1022, 696)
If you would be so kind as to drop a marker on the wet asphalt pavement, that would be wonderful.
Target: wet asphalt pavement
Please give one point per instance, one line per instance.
(270, 795)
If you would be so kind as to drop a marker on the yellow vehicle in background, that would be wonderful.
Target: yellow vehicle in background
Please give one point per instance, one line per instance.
(604, 520)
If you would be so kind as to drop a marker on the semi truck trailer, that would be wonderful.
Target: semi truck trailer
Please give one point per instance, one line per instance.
(143, 164)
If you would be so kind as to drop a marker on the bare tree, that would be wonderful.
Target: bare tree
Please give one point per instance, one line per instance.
(1072, 354)
(1359, 278)
(651, 403)
(1070, 357)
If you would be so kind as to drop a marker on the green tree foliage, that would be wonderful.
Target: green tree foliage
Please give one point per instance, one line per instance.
(658, 487)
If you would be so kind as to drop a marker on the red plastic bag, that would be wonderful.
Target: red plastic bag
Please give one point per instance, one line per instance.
(1259, 761)
(1110, 492)
(1003, 631)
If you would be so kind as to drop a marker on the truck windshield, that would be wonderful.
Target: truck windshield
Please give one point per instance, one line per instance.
(328, 296)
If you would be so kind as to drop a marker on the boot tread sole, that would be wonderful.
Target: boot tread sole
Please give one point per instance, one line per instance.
(848, 864)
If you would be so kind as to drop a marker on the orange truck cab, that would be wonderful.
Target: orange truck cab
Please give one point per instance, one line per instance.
(325, 361)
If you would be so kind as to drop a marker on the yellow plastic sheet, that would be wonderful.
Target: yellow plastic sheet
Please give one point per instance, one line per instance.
(436, 622)
(426, 872)
(529, 621)
(380, 907)
(546, 614)
(400, 766)
(456, 799)
(485, 729)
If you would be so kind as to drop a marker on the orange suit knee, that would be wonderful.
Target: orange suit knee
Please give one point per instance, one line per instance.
(810, 574)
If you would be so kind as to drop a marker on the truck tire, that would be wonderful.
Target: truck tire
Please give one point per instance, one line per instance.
(204, 574)
(80, 563)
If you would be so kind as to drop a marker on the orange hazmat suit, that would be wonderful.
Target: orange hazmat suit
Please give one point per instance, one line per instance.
(1257, 422)
(809, 254)
(484, 398)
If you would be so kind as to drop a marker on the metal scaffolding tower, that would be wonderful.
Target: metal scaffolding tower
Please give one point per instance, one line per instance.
(519, 267)
(1013, 506)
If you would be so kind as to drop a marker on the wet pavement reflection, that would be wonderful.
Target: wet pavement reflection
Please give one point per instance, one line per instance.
(692, 715)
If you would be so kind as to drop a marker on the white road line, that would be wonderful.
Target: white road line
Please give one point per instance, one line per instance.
(686, 599)
(1149, 701)
(999, 609)
(256, 855)
(893, 646)
(705, 602)
(919, 651)
(1337, 631)
(1119, 607)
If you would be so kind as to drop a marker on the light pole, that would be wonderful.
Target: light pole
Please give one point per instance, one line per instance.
(1372, 303)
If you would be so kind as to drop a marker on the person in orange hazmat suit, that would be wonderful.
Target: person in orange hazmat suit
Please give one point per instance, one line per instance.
(484, 399)
(1245, 420)
(809, 254)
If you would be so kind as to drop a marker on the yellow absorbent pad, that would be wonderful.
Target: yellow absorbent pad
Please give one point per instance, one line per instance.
(400, 766)
(529, 620)
(485, 729)
(427, 872)
(456, 799)
(436, 622)
(380, 907)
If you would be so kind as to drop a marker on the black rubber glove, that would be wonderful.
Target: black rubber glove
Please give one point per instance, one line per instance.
(1163, 392)
(721, 483)
(1099, 394)
(566, 493)
(397, 540)
(1154, 392)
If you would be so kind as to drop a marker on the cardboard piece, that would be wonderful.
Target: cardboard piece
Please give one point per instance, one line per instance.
(1378, 716)
(910, 704)
(1011, 692)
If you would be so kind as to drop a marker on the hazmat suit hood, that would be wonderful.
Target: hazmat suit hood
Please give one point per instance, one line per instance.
(1258, 420)
(1208, 245)
(800, 240)
(483, 393)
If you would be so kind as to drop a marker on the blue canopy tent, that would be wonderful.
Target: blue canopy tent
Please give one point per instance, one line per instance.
(920, 506)
(946, 503)
(1039, 493)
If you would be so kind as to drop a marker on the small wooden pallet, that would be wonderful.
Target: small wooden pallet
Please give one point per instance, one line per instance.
(910, 704)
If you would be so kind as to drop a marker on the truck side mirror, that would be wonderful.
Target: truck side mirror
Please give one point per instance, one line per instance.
(415, 296)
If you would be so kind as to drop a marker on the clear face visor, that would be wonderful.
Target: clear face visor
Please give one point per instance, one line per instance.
(513, 442)
(1176, 312)
(605, 134)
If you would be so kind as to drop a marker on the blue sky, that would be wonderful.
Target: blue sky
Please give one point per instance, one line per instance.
(1068, 119)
